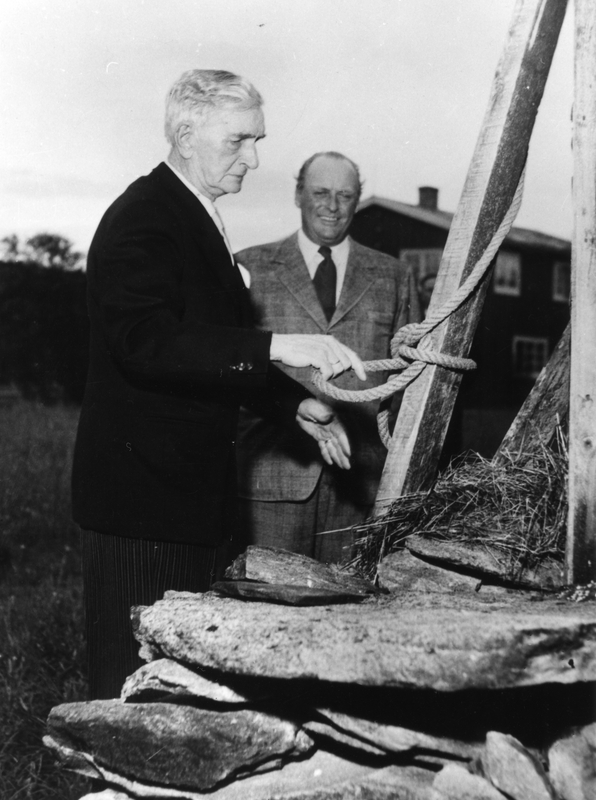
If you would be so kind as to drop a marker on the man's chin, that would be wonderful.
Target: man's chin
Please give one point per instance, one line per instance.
(234, 184)
(330, 235)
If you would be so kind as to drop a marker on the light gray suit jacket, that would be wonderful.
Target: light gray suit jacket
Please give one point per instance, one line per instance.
(378, 297)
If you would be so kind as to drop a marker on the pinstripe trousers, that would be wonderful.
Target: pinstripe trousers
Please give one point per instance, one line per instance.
(119, 573)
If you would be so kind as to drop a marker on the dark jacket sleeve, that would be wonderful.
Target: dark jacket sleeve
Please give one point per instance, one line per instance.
(164, 319)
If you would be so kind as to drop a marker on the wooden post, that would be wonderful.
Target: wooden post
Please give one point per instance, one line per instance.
(490, 185)
(544, 407)
(581, 532)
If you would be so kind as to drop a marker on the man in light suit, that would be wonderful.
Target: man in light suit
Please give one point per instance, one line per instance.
(320, 281)
(173, 354)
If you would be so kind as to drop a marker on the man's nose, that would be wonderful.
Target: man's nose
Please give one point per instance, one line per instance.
(249, 155)
(332, 203)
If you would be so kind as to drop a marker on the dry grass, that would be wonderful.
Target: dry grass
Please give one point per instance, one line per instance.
(516, 507)
(41, 625)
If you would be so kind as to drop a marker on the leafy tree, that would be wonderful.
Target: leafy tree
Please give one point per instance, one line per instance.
(45, 249)
(52, 250)
(11, 248)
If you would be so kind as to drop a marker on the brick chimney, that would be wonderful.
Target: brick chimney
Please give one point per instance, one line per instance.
(428, 197)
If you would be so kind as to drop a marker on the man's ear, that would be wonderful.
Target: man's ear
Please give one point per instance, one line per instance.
(183, 138)
(298, 198)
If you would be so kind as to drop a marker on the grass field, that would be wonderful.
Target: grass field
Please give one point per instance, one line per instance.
(41, 619)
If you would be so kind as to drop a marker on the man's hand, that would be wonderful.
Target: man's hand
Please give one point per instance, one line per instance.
(320, 421)
(315, 350)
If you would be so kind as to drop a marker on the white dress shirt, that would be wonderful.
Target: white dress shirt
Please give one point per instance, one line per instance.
(312, 258)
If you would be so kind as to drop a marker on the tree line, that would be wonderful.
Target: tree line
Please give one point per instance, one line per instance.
(44, 329)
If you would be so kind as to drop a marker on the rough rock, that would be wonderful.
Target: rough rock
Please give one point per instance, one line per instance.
(324, 730)
(274, 565)
(406, 572)
(514, 770)
(165, 676)
(409, 640)
(391, 738)
(282, 593)
(456, 783)
(483, 560)
(572, 765)
(323, 776)
(175, 745)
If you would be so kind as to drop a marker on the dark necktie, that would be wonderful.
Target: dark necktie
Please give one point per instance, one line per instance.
(325, 280)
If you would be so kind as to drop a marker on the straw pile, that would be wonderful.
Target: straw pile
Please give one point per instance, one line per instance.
(515, 506)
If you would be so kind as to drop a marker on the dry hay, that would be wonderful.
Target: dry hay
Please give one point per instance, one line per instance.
(517, 507)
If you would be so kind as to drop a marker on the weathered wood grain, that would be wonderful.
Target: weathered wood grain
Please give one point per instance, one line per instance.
(581, 535)
(492, 179)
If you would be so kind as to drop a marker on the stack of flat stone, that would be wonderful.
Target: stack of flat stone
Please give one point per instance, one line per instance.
(295, 681)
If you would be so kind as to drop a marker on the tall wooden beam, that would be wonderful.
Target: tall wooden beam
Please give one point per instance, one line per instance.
(581, 535)
(492, 179)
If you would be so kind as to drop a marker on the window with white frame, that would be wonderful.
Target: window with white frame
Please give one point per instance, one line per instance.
(530, 354)
(561, 281)
(507, 277)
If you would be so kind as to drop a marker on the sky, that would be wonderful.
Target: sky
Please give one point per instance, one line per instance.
(400, 86)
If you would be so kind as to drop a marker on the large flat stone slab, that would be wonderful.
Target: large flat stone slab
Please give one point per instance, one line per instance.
(323, 776)
(284, 593)
(403, 571)
(484, 559)
(176, 745)
(409, 640)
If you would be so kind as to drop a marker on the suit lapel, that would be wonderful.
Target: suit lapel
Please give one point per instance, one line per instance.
(358, 279)
(202, 228)
(291, 270)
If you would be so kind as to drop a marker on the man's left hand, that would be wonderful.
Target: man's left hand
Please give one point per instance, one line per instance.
(320, 421)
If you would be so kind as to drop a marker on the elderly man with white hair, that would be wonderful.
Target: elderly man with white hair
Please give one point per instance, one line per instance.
(173, 354)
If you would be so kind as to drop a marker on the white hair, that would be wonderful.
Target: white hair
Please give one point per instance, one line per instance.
(199, 90)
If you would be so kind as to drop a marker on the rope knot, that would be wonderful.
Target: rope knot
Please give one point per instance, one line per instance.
(409, 335)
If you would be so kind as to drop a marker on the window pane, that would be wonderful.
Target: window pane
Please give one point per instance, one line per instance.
(561, 281)
(530, 355)
(507, 277)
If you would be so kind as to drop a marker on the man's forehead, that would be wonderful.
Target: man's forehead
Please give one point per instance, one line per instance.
(245, 123)
(328, 171)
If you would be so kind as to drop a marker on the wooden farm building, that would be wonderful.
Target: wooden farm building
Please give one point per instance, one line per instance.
(525, 311)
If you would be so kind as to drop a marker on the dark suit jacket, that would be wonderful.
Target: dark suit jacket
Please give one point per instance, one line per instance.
(172, 356)
(378, 297)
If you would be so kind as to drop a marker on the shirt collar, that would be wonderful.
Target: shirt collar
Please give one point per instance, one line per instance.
(206, 201)
(310, 250)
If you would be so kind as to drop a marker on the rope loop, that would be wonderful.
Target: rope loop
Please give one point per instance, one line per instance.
(408, 351)
(432, 357)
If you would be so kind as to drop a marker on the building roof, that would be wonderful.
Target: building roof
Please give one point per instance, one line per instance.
(442, 219)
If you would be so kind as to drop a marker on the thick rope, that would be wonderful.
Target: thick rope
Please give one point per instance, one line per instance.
(407, 350)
